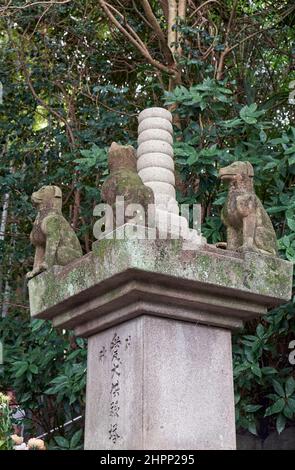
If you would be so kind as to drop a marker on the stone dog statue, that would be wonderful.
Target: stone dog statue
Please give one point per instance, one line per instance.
(124, 181)
(54, 239)
(249, 228)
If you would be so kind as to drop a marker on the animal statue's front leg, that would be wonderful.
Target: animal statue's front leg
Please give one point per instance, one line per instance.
(51, 227)
(249, 226)
(52, 242)
(38, 262)
(232, 238)
(246, 207)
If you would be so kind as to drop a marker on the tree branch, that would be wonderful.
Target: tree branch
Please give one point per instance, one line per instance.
(29, 5)
(181, 15)
(246, 39)
(133, 38)
(202, 6)
(127, 26)
(182, 9)
(44, 104)
(231, 18)
(227, 49)
(164, 6)
(156, 27)
(172, 14)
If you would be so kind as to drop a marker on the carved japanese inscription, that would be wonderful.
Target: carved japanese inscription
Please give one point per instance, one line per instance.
(113, 353)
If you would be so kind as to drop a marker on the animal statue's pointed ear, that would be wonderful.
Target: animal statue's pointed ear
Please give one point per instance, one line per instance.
(57, 192)
(250, 170)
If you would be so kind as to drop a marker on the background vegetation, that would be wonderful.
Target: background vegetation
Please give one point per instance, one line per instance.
(74, 76)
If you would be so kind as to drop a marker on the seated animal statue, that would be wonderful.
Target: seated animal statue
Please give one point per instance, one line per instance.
(124, 181)
(249, 227)
(54, 239)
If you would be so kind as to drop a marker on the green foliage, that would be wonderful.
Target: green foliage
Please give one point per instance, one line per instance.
(263, 377)
(5, 423)
(262, 373)
(74, 443)
(48, 371)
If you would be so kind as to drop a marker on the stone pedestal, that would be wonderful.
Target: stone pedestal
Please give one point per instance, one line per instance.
(159, 320)
(157, 383)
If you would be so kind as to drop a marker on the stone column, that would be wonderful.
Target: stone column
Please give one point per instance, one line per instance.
(159, 319)
(155, 163)
(167, 384)
(155, 166)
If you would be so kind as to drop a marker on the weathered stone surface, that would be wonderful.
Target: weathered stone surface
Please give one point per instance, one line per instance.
(155, 123)
(61, 284)
(162, 188)
(155, 134)
(155, 167)
(155, 383)
(249, 227)
(215, 285)
(155, 153)
(131, 232)
(171, 225)
(158, 318)
(123, 181)
(155, 160)
(157, 174)
(54, 239)
(158, 146)
(155, 112)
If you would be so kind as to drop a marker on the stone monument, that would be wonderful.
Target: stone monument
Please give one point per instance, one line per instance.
(124, 181)
(155, 167)
(55, 241)
(249, 227)
(158, 318)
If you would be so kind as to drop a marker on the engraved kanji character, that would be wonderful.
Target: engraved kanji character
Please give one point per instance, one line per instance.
(115, 370)
(102, 353)
(127, 342)
(114, 409)
(113, 434)
(115, 390)
(116, 341)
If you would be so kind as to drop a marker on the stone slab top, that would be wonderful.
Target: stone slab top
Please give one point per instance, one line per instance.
(157, 273)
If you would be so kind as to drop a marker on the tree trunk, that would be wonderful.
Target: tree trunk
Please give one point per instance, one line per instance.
(6, 294)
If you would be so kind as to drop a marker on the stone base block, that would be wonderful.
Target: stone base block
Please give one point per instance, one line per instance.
(158, 316)
(122, 279)
(156, 383)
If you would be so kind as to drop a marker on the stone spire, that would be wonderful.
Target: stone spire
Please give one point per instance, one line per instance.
(155, 166)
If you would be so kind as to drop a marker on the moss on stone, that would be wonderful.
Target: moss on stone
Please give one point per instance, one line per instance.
(255, 273)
